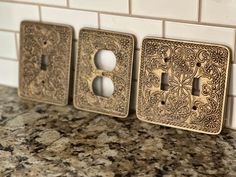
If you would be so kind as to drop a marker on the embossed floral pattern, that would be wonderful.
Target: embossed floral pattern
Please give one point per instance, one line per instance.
(122, 45)
(37, 40)
(177, 106)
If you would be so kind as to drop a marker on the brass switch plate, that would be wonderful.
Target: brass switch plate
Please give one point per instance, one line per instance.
(174, 104)
(122, 45)
(45, 58)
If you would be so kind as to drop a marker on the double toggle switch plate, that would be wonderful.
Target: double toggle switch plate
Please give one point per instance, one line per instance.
(45, 57)
(183, 84)
(92, 41)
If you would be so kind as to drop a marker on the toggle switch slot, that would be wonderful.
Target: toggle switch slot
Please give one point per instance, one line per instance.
(164, 81)
(196, 87)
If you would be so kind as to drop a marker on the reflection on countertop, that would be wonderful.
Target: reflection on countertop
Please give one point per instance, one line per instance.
(44, 140)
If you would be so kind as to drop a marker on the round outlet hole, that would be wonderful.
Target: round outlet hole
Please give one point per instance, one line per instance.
(103, 86)
(105, 60)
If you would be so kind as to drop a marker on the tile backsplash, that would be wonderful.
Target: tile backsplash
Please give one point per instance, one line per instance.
(212, 21)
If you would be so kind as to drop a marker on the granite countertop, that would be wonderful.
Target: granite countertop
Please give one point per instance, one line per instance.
(44, 140)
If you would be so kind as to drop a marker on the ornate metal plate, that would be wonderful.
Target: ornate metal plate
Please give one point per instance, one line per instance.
(174, 100)
(122, 45)
(45, 56)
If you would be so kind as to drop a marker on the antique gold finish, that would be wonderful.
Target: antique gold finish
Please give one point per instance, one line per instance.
(45, 57)
(168, 74)
(122, 45)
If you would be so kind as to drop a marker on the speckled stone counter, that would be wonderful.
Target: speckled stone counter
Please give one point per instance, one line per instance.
(44, 140)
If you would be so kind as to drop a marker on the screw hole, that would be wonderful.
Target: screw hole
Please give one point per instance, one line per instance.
(194, 107)
(166, 60)
(43, 82)
(163, 102)
(198, 64)
(45, 43)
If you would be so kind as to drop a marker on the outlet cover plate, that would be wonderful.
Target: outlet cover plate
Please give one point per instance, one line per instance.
(122, 45)
(45, 81)
(183, 61)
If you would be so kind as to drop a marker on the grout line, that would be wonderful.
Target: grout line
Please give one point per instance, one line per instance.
(9, 59)
(199, 10)
(99, 21)
(163, 28)
(17, 47)
(129, 15)
(234, 60)
(40, 13)
(130, 6)
(230, 95)
(9, 31)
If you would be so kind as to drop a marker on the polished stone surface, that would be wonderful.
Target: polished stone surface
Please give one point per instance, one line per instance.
(50, 141)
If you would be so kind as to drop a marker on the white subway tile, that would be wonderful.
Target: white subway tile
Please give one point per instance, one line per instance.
(8, 45)
(75, 18)
(12, 14)
(119, 6)
(219, 11)
(181, 9)
(201, 33)
(231, 113)
(140, 27)
(48, 2)
(9, 72)
(232, 79)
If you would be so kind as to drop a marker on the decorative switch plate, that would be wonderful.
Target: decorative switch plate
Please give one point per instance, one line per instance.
(45, 58)
(122, 45)
(183, 84)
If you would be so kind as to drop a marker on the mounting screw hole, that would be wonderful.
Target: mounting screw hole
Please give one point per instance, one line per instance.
(198, 64)
(166, 60)
(163, 102)
(43, 82)
(45, 42)
(194, 107)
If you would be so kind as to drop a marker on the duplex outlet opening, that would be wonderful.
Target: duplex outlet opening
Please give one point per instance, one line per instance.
(105, 60)
(103, 86)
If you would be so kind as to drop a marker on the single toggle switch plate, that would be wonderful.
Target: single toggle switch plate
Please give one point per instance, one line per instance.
(183, 84)
(92, 41)
(45, 59)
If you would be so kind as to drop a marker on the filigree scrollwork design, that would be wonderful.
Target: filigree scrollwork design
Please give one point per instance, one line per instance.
(177, 106)
(122, 45)
(49, 45)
